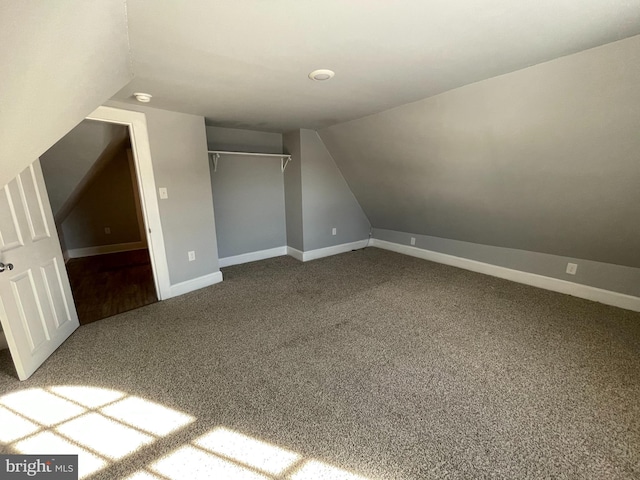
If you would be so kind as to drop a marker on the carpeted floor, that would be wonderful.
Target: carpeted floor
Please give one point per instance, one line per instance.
(380, 364)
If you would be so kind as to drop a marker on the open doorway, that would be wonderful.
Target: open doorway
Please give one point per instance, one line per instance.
(38, 312)
(92, 183)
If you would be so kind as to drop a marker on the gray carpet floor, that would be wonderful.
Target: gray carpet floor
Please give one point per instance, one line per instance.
(380, 364)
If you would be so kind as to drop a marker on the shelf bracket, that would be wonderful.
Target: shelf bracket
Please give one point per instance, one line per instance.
(284, 161)
(214, 158)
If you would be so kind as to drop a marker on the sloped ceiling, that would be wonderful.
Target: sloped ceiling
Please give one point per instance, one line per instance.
(59, 61)
(544, 159)
(244, 63)
(66, 163)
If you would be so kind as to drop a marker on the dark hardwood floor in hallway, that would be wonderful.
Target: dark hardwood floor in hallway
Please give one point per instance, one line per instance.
(104, 285)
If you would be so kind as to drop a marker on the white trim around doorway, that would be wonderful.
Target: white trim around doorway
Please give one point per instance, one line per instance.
(137, 123)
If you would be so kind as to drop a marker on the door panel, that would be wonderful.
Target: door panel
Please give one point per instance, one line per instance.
(36, 305)
(57, 301)
(32, 204)
(9, 231)
(28, 305)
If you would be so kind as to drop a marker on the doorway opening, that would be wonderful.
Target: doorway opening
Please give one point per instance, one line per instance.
(91, 178)
(37, 311)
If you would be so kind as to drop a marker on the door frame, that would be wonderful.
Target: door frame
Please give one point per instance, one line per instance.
(140, 147)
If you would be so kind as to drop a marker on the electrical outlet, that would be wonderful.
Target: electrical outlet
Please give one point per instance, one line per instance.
(107, 230)
(334, 231)
(163, 193)
(192, 256)
(572, 268)
(413, 240)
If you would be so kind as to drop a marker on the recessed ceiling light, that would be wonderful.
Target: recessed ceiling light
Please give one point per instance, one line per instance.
(321, 75)
(143, 97)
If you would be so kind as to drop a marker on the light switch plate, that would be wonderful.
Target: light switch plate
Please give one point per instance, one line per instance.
(163, 193)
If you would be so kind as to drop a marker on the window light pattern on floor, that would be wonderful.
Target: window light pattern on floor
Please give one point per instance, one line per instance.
(66, 419)
(227, 454)
(99, 425)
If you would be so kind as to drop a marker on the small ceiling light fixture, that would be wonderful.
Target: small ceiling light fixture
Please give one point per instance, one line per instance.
(321, 75)
(143, 97)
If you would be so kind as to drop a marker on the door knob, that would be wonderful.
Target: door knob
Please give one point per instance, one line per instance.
(8, 266)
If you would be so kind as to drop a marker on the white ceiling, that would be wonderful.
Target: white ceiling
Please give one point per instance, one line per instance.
(244, 63)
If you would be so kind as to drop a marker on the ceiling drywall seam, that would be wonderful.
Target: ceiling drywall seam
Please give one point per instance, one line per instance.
(126, 23)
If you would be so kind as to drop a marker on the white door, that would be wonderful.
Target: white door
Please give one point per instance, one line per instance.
(36, 307)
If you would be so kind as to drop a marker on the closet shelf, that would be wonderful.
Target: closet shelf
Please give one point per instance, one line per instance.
(214, 155)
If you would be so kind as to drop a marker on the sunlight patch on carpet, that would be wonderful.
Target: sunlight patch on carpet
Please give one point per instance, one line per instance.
(249, 451)
(99, 425)
(315, 470)
(190, 462)
(42, 407)
(105, 426)
(148, 416)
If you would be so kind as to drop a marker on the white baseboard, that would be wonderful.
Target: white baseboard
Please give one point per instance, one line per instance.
(253, 256)
(194, 284)
(295, 253)
(104, 249)
(334, 250)
(607, 297)
(326, 252)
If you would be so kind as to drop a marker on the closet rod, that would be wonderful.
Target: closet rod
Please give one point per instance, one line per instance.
(215, 156)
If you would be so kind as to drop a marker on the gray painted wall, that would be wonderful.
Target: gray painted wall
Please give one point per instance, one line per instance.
(69, 160)
(248, 199)
(59, 61)
(544, 159)
(110, 202)
(327, 201)
(248, 192)
(180, 163)
(239, 140)
(293, 190)
(616, 278)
